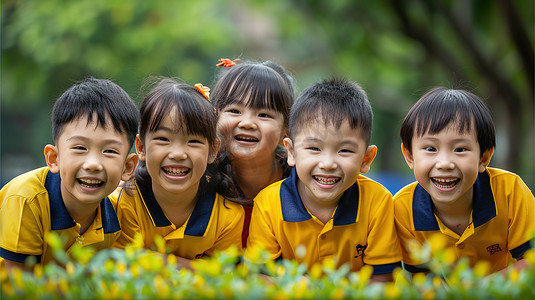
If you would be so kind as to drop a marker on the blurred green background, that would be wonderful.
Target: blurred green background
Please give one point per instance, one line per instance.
(395, 49)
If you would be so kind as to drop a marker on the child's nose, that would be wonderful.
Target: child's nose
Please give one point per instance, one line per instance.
(328, 163)
(93, 163)
(178, 153)
(247, 121)
(444, 161)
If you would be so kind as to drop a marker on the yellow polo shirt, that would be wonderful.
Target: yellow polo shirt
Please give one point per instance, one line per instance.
(501, 225)
(360, 232)
(214, 224)
(32, 207)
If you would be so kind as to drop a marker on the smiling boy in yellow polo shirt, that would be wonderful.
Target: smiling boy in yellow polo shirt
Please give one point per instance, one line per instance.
(482, 213)
(325, 210)
(94, 124)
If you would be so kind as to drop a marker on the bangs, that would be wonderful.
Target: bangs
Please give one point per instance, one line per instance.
(440, 114)
(191, 108)
(255, 86)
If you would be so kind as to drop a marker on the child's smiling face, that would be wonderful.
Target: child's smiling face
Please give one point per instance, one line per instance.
(446, 164)
(175, 159)
(250, 133)
(328, 160)
(91, 160)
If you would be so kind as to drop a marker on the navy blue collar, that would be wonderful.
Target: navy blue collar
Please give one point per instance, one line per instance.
(483, 210)
(198, 221)
(293, 209)
(59, 216)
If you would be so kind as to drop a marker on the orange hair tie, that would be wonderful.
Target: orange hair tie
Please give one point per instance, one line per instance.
(227, 63)
(204, 90)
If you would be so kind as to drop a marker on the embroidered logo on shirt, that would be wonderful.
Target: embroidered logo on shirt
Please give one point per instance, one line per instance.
(493, 249)
(360, 250)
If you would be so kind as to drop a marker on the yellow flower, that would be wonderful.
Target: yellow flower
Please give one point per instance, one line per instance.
(160, 244)
(437, 242)
(38, 271)
(121, 267)
(481, 268)
(418, 279)
(365, 274)
(316, 271)
(109, 266)
(513, 275)
(391, 290)
(529, 256)
(63, 285)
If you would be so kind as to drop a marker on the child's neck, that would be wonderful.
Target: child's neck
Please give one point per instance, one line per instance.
(254, 175)
(455, 217)
(323, 211)
(176, 207)
(82, 214)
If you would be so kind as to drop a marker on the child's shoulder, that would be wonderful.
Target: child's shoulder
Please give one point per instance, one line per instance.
(27, 185)
(371, 187)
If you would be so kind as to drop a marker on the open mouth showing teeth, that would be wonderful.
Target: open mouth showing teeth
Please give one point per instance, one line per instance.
(323, 180)
(246, 139)
(90, 183)
(445, 183)
(176, 171)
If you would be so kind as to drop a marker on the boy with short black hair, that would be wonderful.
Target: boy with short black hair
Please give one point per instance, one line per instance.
(325, 207)
(482, 213)
(94, 124)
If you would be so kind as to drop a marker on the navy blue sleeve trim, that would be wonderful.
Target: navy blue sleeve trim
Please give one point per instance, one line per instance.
(520, 250)
(385, 269)
(415, 269)
(18, 257)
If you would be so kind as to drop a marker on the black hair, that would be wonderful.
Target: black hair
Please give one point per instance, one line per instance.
(333, 101)
(259, 85)
(196, 113)
(98, 98)
(439, 107)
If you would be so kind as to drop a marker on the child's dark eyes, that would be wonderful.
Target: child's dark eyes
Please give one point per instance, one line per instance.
(313, 149)
(459, 150)
(195, 142)
(264, 115)
(430, 149)
(80, 148)
(111, 151)
(346, 151)
(161, 138)
(233, 111)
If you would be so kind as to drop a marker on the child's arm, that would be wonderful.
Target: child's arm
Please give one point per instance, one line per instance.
(381, 278)
(231, 221)
(13, 264)
(261, 233)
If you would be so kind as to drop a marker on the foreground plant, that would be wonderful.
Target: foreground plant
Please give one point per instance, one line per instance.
(139, 274)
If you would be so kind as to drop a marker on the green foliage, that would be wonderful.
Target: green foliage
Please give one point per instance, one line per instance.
(395, 49)
(139, 274)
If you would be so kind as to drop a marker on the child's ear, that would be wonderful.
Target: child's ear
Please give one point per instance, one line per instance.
(371, 152)
(408, 156)
(51, 157)
(485, 160)
(129, 167)
(214, 151)
(140, 149)
(288, 143)
(285, 134)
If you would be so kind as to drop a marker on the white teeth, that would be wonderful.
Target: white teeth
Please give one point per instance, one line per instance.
(445, 180)
(176, 171)
(246, 139)
(324, 180)
(90, 182)
(445, 183)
